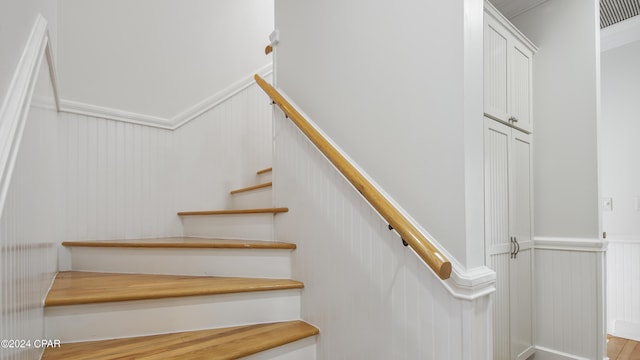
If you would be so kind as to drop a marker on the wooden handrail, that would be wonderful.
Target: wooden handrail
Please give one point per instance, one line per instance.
(421, 245)
(268, 49)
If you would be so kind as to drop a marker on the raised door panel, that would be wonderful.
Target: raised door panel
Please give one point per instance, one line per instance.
(521, 309)
(521, 188)
(520, 94)
(496, 58)
(497, 139)
(500, 263)
(498, 246)
(521, 229)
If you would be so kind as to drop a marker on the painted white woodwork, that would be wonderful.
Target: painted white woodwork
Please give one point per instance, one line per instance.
(75, 323)
(568, 298)
(623, 287)
(240, 226)
(508, 193)
(508, 67)
(17, 18)
(29, 190)
(162, 57)
(254, 199)
(272, 263)
(403, 107)
(304, 349)
(124, 180)
(371, 297)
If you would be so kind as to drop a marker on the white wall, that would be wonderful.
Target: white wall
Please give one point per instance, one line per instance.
(621, 182)
(569, 252)
(158, 58)
(565, 103)
(389, 88)
(30, 225)
(619, 143)
(16, 20)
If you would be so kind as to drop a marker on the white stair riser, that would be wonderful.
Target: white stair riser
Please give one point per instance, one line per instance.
(267, 263)
(244, 226)
(304, 349)
(254, 199)
(76, 323)
(266, 177)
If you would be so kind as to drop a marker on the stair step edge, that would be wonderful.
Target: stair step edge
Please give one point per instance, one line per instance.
(77, 288)
(214, 344)
(235, 211)
(183, 242)
(251, 188)
(264, 171)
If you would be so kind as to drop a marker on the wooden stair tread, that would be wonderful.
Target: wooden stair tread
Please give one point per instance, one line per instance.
(235, 212)
(264, 171)
(183, 242)
(215, 344)
(254, 187)
(74, 287)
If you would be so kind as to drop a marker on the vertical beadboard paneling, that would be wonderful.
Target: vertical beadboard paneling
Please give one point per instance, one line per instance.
(29, 226)
(566, 302)
(116, 180)
(495, 72)
(127, 181)
(371, 297)
(520, 85)
(501, 320)
(623, 288)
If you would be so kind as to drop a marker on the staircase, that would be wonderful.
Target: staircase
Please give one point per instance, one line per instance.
(195, 297)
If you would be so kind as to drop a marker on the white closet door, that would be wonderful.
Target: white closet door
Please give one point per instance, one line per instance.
(521, 281)
(496, 62)
(497, 241)
(520, 94)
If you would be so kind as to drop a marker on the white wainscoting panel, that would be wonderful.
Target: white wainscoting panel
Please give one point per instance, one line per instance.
(120, 179)
(371, 297)
(29, 225)
(568, 304)
(125, 180)
(623, 287)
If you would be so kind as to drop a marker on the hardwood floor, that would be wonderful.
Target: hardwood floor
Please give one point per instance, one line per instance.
(623, 349)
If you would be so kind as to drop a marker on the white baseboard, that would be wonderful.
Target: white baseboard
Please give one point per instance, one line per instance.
(543, 353)
(626, 329)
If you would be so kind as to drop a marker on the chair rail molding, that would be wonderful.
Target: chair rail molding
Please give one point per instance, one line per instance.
(570, 244)
(15, 107)
(75, 107)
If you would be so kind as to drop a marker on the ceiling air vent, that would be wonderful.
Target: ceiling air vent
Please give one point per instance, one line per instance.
(613, 11)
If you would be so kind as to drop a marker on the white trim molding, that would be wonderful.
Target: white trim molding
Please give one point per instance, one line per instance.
(75, 107)
(620, 34)
(15, 108)
(570, 244)
(544, 353)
